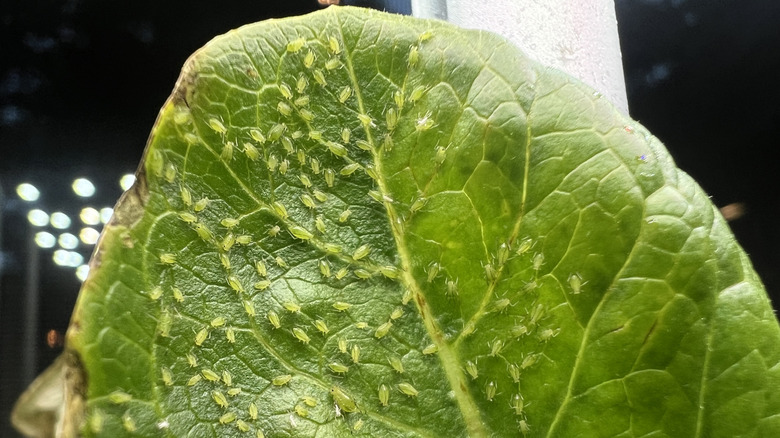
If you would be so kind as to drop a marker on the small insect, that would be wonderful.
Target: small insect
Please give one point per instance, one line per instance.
(281, 380)
(344, 94)
(441, 155)
(320, 77)
(227, 378)
(306, 114)
(209, 375)
(300, 85)
(536, 314)
(321, 326)
(407, 296)
(185, 195)
(219, 398)
(452, 288)
(309, 401)
(490, 390)
(201, 337)
(490, 273)
(524, 428)
(301, 411)
(418, 204)
(471, 368)
(518, 404)
(361, 325)
(279, 209)
(332, 64)
(230, 335)
(529, 360)
(330, 177)
(361, 251)
(253, 412)
(398, 97)
(165, 323)
(281, 263)
(384, 394)
(496, 346)
(273, 318)
(156, 293)
(362, 274)
(575, 282)
(342, 344)
(227, 418)
(396, 363)
(433, 271)
(332, 248)
(397, 313)
(519, 330)
(548, 334)
(319, 224)
(291, 307)
(414, 56)
(308, 60)
(242, 426)
(249, 308)
(302, 101)
(167, 376)
(358, 425)
(201, 204)
(345, 134)
(300, 233)
(362, 144)
(344, 216)
(276, 131)
(366, 120)
(315, 167)
(305, 180)
(337, 149)
(355, 353)
(217, 126)
(168, 258)
(259, 434)
(408, 389)
(325, 269)
(128, 423)
(194, 380)
(538, 261)
(514, 372)
(257, 136)
(261, 268)
(425, 36)
(227, 151)
(430, 349)
(334, 46)
(296, 45)
(273, 232)
(228, 241)
(234, 283)
(288, 147)
(502, 254)
(349, 169)
(218, 322)
(499, 306)
(192, 360)
(251, 152)
(338, 368)
(300, 335)
(342, 399)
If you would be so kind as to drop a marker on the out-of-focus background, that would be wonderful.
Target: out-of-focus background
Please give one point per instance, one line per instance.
(81, 82)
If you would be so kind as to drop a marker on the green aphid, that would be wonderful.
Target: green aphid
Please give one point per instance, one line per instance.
(273, 318)
(300, 335)
(219, 398)
(430, 349)
(251, 151)
(119, 397)
(321, 326)
(384, 394)
(362, 273)
(345, 402)
(383, 329)
(227, 418)
(291, 307)
(300, 232)
(209, 375)
(341, 306)
(229, 222)
(344, 216)
(281, 380)
(262, 284)
(257, 136)
(338, 368)
(408, 389)
(361, 252)
(324, 268)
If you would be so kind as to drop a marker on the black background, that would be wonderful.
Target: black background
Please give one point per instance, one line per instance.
(81, 83)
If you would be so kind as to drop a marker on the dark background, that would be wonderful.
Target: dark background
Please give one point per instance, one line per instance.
(81, 82)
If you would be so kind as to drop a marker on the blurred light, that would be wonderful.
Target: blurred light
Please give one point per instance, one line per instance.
(54, 338)
(126, 181)
(37, 217)
(67, 258)
(83, 187)
(82, 272)
(68, 241)
(27, 192)
(89, 216)
(59, 220)
(89, 235)
(105, 214)
(45, 239)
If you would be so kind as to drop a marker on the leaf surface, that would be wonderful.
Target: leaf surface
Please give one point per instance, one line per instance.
(359, 223)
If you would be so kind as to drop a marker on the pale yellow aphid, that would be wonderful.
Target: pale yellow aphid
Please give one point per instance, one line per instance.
(296, 45)
(209, 375)
(168, 258)
(253, 412)
(366, 120)
(496, 346)
(301, 84)
(156, 293)
(414, 56)
(272, 163)
(362, 273)
(424, 123)
(227, 151)
(342, 345)
(301, 411)
(287, 144)
(389, 271)
(244, 239)
(309, 401)
(384, 394)
(330, 177)
(274, 231)
(361, 252)
(301, 102)
(257, 136)
(344, 94)
(345, 134)
(186, 198)
(273, 318)
(397, 313)
(430, 349)
(319, 223)
(284, 165)
(234, 283)
(251, 151)
(315, 135)
(344, 216)
(201, 336)
(219, 398)
(417, 93)
(281, 262)
(320, 77)
(280, 210)
(391, 116)
(128, 423)
(306, 114)
(337, 149)
(249, 308)
(471, 368)
(345, 402)
(218, 322)
(362, 144)
(341, 306)
(514, 372)
(167, 376)
(201, 204)
(188, 217)
(308, 60)
(333, 45)
(217, 126)
(230, 335)
(321, 326)
(291, 307)
(383, 329)
(324, 268)
(338, 368)
(242, 426)
(407, 389)
(305, 180)
(194, 380)
(315, 167)
(341, 273)
(332, 64)
(227, 417)
(355, 353)
(490, 390)
(307, 201)
(192, 360)
(281, 380)
(398, 97)
(276, 131)
(262, 284)
(300, 233)
(301, 335)
(349, 169)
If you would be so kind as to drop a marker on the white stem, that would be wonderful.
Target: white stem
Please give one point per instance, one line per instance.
(579, 37)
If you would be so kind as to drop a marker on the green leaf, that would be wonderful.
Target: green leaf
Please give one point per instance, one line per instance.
(361, 223)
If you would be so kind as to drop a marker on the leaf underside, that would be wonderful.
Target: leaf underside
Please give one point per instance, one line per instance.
(355, 223)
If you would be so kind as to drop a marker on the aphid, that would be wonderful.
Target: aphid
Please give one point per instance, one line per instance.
(276, 131)
(165, 324)
(273, 232)
(168, 258)
(490, 390)
(548, 334)
(441, 154)
(338, 368)
(309, 401)
(128, 423)
(496, 346)
(332, 248)
(330, 177)
(529, 360)
(229, 222)
(531, 285)
(274, 319)
(425, 36)
(471, 368)
(300, 85)
(361, 325)
(286, 91)
(337, 149)
(287, 145)
(201, 204)
(300, 233)
(366, 120)
(194, 380)
(280, 210)
(301, 411)
(417, 93)
(296, 45)
(308, 60)
(249, 308)
(490, 273)
(342, 344)
(301, 155)
(315, 135)
(228, 241)
(361, 251)
(156, 293)
(414, 56)
(408, 389)
(259, 434)
(242, 426)
(281, 380)
(344, 94)
(332, 64)
(251, 152)
(321, 326)
(234, 283)
(217, 126)
(333, 45)
(305, 180)
(219, 398)
(201, 336)
(230, 335)
(191, 138)
(300, 335)
(383, 329)
(398, 97)
(519, 330)
(430, 349)
(514, 372)
(499, 306)
(358, 425)
(362, 274)
(272, 163)
(227, 418)
(186, 198)
(324, 268)
(452, 287)
(253, 412)
(407, 296)
(523, 426)
(536, 314)
(575, 282)
(319, 224)
(418, 204)
(167, 376)
(291, 307)
(397, 313)
(281, 263)
(344, 216)
(362, 144)
(538, 261)
(302, 101)
(218, 322)
(342, 399)
(349, 169)
(257, 136)
(433, 271)
(192, 360)
(315, 167)
(518, 404)
(320, 77)
(119, 397)
(341, 273)
(502, 254)
(345, 134)
(244, 239)
(355, 353)
(209, 375)
(396, 363)
(306, 114)
(227, 151)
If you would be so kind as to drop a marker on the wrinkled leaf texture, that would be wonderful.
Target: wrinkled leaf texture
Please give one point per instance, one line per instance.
(452, 240)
